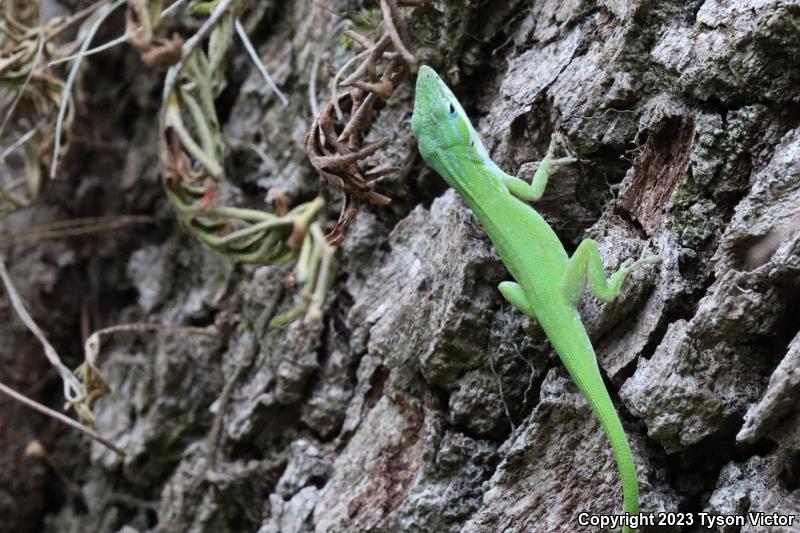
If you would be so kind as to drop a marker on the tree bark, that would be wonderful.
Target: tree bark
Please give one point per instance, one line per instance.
(422, 401)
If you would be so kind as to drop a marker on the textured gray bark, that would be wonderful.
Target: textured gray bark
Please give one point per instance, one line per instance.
(422, 401)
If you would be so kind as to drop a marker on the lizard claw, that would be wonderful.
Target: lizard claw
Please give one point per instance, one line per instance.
(562, 162)
(555, 163)
(649, 260)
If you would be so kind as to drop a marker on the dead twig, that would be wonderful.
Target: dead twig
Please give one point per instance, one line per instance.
(336, 147)
(75, 227)
(61, 418)
(396, 30)
(94, 384)
(73, 389)
(251, 51)
(102, 15)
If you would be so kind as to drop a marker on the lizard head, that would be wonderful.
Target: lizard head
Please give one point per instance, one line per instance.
(439, 122)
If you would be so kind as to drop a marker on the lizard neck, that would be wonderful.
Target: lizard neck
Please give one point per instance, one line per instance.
(478, 181)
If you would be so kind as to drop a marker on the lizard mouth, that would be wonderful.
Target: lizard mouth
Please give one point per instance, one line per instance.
(428, 90)
(425, 88)
(428, 82)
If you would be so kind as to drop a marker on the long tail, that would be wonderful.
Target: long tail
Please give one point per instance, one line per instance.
(579, 358)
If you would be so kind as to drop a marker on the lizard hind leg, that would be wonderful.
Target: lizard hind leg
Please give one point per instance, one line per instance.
(586, 264)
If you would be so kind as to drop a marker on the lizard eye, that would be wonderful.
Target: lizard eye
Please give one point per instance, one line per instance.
(452, 109)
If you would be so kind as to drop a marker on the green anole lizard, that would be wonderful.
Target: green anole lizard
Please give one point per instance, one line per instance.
(548, 281)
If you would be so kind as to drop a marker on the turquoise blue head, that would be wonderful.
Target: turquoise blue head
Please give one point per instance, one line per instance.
(439, 122)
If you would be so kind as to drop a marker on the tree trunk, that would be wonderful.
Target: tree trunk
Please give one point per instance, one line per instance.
(422, 401)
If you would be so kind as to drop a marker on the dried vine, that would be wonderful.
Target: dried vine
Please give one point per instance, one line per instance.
(335, 147)
(39, 115)
(141, 19)
(193, 170)
(30, 101)
(191, 154)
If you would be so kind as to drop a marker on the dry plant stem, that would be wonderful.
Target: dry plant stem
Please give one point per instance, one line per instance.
(314, 273)
(358, 120)
(19, 142)
(72, 19)
(75, 227)
(339, 156)
(251, 215)
(143, 326)
(365, 42)
(269, 238)
(92, 345)
(138, 11)
(16, 201)
(335, 82)
(367, 67)
(323, 280)
(175, 122)
(383, 170)
(18, 97)
(312, 83)
(219, 417)
(389, 10)
(257, 60)
(94, 383)
(188, 49)
(114, 42)
(245, 232)
(73, 73)
(73, 389)
(44, 33)
(61, 418)
(502, 395)
(96, 50)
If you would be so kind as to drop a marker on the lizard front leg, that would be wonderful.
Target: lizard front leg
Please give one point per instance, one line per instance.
(586, 264)
(512, 292)
(533, 191)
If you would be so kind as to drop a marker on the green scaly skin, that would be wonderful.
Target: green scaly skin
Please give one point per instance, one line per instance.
(548, 281)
